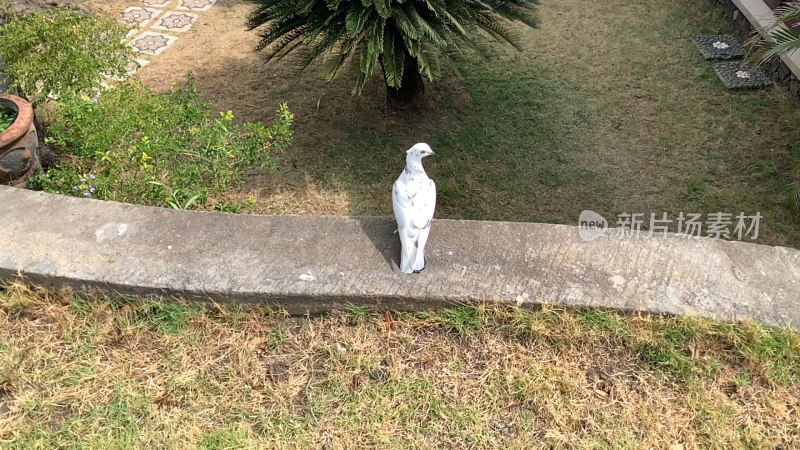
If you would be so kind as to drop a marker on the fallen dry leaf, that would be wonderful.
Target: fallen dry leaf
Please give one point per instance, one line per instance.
(255, 342)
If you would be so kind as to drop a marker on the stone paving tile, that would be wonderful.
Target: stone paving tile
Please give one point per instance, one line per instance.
(719, 46)
(175, 21)
(140, 16)
(135, 65)
(735, 75)
(196, 5)
(152, 43)
(165, 16)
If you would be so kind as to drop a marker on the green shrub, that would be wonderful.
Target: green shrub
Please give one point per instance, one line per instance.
(133, 145)
(7, 118)
(62, 53)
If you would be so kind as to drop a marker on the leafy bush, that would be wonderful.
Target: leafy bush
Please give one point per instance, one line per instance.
(133, 145)
(62, 53)
(7, 118)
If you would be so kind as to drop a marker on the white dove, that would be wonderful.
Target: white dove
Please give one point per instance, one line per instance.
(414, 200)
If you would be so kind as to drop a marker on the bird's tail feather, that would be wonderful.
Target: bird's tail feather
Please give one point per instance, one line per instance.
(407, 260)
(408, 253)
(419, 249)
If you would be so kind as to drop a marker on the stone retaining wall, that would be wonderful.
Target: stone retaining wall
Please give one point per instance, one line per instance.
(312, 264)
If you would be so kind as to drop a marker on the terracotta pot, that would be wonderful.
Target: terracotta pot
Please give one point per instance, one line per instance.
(18, 143)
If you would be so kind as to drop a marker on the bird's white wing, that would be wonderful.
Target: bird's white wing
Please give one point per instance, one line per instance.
(403, 213)
(414, 208)
(401, 204)
(424, 205)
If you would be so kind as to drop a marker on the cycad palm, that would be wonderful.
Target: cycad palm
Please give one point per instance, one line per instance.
(783, 37)
(408, 39)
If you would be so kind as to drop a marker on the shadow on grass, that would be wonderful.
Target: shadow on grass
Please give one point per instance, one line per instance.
(502, 142)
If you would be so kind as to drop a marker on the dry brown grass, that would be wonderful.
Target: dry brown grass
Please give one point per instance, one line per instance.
(106, 373)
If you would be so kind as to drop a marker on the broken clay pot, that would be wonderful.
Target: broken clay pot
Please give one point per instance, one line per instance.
(18, 143)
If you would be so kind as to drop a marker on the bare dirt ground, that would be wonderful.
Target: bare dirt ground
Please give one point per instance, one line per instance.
(29, 6)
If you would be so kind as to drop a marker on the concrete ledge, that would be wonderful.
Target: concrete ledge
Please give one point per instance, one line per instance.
(313, 264)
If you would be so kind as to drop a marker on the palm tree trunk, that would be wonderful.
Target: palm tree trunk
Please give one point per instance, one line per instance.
(412, 90)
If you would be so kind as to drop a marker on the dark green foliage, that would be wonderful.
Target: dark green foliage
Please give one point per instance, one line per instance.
(168, 317)
(6, 118)
(405, 37)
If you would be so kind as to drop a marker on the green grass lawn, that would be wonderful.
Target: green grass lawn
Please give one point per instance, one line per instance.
(609, 107)
(113, 373)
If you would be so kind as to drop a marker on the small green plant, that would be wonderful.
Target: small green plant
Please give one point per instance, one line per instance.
(234, 207)
(223, 438)
(133, 145)
(694, 190)
(62, 53)
(464, 320)
(603, 321)
(793, 198)
(358, 313)
(177, 196)
(7, 118)
(276, 337)
(742, 379)
(669, 359)
(168, 317)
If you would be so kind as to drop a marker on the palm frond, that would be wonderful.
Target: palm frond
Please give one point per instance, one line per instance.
(368, 32)
(780, 39)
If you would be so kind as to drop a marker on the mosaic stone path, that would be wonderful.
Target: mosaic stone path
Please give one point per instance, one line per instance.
(719, 46)
(736, 75)
(733, 73)
(159, 24)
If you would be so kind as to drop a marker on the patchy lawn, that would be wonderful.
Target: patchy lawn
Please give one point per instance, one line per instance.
(610, 107)
(109, 373)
